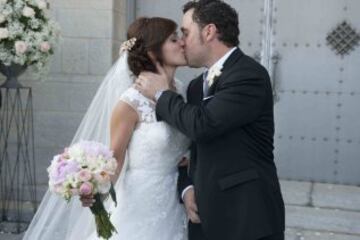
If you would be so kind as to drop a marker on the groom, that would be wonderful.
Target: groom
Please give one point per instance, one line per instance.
(231, 191)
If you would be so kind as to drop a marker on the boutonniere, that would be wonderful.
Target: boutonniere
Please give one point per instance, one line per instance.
(213, 74)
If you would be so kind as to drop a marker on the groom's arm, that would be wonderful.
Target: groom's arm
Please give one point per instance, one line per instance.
(237, 102)
(184, 181)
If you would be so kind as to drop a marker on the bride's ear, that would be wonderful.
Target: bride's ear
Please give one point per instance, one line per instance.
(152, 57)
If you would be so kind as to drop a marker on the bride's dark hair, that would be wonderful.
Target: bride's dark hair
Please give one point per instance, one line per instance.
(150, 34)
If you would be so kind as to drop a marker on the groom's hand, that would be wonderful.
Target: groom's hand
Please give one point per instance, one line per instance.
(190, 206)
(148, 83)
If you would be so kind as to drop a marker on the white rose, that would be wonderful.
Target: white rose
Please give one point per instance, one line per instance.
(20, 47)
(213, 73)
(76, 152)
(110, 166)
(2, 18)
(4, 33)
(45, 46)
(104, 188)
(102, 177)
(28, 12)
(41, 4)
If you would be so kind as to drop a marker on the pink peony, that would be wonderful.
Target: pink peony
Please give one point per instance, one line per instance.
(84, 175)
(20, 47)
(62, 169)
(45, 46)
(86, 188)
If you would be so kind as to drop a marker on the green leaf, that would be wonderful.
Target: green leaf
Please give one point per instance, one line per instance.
(113, 194)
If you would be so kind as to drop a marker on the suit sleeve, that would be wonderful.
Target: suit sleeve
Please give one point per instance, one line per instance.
(237, 102)
(183, 181)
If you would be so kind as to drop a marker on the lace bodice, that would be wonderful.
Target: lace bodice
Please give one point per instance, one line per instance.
(154, 145)
(142, 105)
(150, 208)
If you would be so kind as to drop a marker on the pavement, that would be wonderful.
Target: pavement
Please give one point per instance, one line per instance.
(314, 211)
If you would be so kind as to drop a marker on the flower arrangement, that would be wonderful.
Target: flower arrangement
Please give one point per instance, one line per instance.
(85, 168)
(27, 35)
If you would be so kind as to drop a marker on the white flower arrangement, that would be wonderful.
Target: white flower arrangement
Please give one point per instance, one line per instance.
(27, 35)
(214, 72)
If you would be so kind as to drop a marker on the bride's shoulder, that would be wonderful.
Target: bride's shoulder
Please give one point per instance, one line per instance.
(131, 91)
(132, 94)
(133, 97)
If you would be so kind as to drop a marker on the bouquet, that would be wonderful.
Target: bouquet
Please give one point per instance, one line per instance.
(82, 169)
(27, 35)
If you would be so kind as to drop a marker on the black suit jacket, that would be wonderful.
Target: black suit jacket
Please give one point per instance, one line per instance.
(232, 163)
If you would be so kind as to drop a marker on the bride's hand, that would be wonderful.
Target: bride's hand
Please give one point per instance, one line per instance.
(87, 200)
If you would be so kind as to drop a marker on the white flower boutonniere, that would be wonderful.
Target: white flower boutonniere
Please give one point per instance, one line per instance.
(213, 74)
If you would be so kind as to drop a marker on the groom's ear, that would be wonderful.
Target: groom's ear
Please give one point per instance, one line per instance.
(210, 32)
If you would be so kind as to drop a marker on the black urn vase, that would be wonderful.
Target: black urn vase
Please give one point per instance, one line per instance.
(12, 73)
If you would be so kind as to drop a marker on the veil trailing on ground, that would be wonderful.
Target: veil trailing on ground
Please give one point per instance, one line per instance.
(56, 219)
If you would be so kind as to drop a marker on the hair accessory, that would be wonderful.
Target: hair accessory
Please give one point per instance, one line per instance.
(127, 45)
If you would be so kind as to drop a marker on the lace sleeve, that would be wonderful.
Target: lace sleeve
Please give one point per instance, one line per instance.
(142, 105)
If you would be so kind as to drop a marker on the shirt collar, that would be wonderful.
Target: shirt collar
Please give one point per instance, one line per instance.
(223, 59)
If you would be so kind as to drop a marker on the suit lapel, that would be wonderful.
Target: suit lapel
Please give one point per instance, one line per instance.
(196, 91)
(227, 65)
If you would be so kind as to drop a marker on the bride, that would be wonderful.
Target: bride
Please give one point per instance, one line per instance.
(147, 151)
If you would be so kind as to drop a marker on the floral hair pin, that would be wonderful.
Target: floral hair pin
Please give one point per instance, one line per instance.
(128, 45)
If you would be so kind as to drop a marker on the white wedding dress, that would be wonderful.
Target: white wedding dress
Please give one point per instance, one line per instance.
(148, 204)
(149, 207)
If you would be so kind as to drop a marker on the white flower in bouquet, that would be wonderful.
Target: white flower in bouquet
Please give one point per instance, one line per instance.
(103, 180)
(2, 18)
(41, 4)
(110, 166)
(7, 10)
(15, 29)
(18, 5)
(28, 12)
(4, 33)
(35, 24)
(20, 47)
(76, 152)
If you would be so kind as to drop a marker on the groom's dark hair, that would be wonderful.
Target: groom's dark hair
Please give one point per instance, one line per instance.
(219, 13)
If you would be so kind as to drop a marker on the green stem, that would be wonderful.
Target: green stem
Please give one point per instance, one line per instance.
(104, 227)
